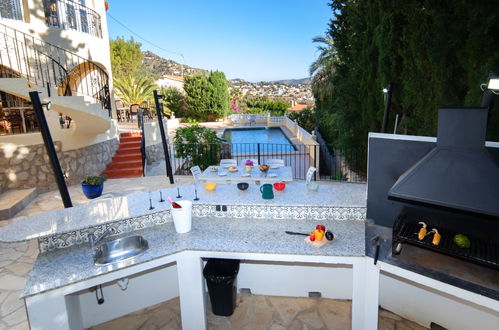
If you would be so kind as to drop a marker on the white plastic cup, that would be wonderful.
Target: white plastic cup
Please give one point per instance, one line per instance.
(182, 218)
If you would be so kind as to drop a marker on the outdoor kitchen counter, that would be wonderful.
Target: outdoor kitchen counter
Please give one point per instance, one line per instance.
(101, 212)
(262, 236)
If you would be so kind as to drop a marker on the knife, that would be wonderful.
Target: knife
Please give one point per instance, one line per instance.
(295, 233)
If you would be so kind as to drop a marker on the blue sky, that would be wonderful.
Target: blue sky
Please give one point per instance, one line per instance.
(250, 39)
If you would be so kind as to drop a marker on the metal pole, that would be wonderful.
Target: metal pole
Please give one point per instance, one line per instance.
(396, 124)
(388, 102)
(49, 145)
(169, 171)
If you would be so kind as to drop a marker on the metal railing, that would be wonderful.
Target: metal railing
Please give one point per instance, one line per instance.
(330, 166)
(70, 15)
(44, 64)
(11, 9)
(140, 117)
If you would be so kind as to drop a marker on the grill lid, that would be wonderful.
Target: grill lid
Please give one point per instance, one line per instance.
(459, 172)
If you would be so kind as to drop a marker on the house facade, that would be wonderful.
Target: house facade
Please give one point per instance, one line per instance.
(59, 48)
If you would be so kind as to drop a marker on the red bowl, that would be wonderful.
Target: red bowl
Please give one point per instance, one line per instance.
(279, 185)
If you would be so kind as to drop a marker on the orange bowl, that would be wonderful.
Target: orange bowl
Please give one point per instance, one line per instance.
(279, 185)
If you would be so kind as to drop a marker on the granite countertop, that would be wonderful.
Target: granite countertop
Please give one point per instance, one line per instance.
(114, 209)
(266, 236)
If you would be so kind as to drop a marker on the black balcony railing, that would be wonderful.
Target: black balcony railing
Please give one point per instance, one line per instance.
(349, 166)
(44, 64)
(71, 15)
(11, 9)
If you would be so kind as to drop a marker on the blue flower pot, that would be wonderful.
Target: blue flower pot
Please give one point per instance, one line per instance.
(90, 191)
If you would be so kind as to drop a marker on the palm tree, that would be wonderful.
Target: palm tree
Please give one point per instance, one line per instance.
(133, 90)
(322, 69)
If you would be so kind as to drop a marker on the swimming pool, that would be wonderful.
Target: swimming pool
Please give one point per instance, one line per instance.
(246, 140)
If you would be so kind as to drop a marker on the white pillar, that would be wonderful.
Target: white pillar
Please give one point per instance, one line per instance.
(191, 291)
(365, 295)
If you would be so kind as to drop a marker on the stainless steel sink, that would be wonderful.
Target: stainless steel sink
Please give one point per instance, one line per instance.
(120, 249)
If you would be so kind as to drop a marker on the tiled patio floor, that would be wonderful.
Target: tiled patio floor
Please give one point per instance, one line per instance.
(253, 312)
(259, 312)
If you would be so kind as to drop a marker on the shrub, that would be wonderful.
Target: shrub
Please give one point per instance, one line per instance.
(199, 145)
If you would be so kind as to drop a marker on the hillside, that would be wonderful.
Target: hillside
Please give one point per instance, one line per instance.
(161, 66)
(303, 81)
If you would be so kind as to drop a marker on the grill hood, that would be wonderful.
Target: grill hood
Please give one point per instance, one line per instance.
(459, 173)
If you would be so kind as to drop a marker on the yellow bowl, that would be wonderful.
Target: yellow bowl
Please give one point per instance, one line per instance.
(210, 186)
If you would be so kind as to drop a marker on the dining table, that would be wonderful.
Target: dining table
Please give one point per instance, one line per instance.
(235, 174)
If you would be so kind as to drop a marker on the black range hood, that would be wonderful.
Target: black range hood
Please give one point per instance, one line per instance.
(459, 173)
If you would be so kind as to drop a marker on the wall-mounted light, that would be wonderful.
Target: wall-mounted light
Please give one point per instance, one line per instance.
(490, 89)
(493, 84)
(46, 105)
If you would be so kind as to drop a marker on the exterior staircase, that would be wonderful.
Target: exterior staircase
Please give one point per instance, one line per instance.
(127, 162)
(89, 117)
(75, 86)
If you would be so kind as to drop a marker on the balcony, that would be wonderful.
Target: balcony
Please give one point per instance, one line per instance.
(70, 15)
(11, 9)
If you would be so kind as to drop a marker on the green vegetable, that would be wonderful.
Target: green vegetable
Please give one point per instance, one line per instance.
(462, 241)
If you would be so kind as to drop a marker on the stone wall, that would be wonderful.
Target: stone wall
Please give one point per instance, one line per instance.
(29, 166)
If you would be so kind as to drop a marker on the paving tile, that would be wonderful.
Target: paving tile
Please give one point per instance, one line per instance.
(20, 268)
(386, 323)
(15, 318)
(11, 302)
(336, 314)
(12, 282)
(289, 308)
(312, 319)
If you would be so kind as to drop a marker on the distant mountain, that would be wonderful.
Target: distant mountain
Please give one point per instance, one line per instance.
(303, 81)
(162, 66)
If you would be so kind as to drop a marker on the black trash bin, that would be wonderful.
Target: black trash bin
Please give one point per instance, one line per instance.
(221, 276)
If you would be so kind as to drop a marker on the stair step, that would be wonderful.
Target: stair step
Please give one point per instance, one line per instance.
(132, 144)
(127, 139)
(124, 173)
(124, 164)
(13, 201)
(128, 134)
(127, 157)
(127, 151)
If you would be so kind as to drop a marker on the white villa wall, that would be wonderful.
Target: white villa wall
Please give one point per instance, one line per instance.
(83, 44)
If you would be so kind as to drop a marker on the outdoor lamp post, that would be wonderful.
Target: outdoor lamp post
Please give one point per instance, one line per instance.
(388, 101)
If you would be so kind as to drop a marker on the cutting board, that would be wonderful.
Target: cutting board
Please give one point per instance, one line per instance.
(317, 244)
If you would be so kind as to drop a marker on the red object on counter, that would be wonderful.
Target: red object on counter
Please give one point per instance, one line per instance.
(279, 185)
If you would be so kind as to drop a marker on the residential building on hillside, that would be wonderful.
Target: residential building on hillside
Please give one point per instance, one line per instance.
(171, 81)
(59, 48)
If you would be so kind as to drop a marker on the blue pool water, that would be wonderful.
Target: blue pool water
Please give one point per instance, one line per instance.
(247, 140)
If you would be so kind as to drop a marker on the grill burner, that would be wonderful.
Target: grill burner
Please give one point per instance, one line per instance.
(483, 250)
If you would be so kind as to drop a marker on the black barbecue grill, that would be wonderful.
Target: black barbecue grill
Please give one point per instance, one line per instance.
(406, 228)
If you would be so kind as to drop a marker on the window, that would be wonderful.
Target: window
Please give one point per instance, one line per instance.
(11, 9)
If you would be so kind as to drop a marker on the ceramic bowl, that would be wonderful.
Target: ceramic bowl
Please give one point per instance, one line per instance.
(263, 168)
(210, 186)
(279, 186)
(242, 185)
(312, 186)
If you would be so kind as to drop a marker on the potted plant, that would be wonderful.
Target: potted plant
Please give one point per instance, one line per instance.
(93, 185)
(248, 165)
